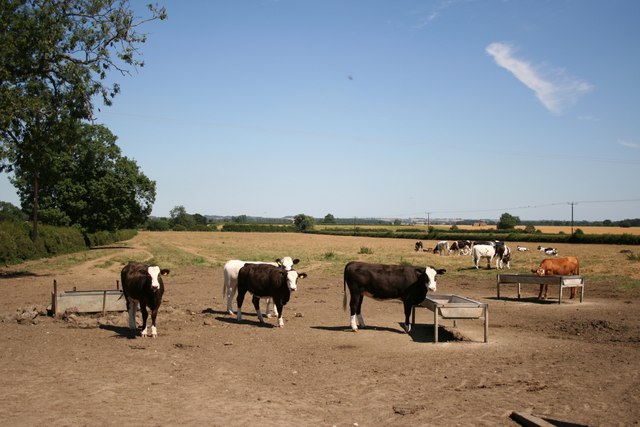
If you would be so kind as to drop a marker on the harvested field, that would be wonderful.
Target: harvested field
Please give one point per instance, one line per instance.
(575, 362)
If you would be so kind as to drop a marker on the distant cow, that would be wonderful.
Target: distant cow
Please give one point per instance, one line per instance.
(265, 280)
(442, 248)
(483, 251)
(142, 285)
(380, 281)
(568, 266)
(551, 251)
(503, 256)
(521, 249)
(418, 246)
(231, 269)
(461, 247)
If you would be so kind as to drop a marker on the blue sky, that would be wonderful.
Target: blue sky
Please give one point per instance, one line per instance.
(370, 108)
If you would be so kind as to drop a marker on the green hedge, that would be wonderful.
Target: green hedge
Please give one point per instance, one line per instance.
(16, 245)
(261, 228)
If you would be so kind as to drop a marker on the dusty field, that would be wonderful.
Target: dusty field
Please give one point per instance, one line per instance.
(576, 362)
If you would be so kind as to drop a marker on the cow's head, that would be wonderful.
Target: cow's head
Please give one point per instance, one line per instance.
(431, 274)
(287, 262)
(292, 279)
(540, 271)
(155, 272)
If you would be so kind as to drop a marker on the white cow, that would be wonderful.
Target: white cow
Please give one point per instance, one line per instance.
(442, 248)
(483, 251)
(230, 285)
(522, 249)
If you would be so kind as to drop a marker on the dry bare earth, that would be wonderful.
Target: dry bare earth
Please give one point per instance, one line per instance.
(573, 362)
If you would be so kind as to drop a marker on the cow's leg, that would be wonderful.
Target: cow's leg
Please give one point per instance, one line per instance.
(239, 301)
(280, 308)
(256, 305)
(132, 306)
(573, 292)
(271, 309)
(154, 314)
(145, 316)
(355, 305)
(231, 291)
(359, 312)
(407, 315)
(543, 288)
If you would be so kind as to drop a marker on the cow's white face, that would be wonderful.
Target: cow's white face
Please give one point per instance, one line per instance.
(287, 262)
(431, 276)
(154, 272)
(292, 279)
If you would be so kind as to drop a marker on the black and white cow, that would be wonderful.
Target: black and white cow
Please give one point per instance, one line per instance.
(381, 281)
(522, 248)
(503, 256)
(265, 280)
(418, 246)
(483, 251)
(230, 284)
(442, 248)
(142, 285)
(461, 247)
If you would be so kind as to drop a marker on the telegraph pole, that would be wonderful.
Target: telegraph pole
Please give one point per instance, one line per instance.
(572, 203)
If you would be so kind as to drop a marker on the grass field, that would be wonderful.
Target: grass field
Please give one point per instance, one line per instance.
(547, 229)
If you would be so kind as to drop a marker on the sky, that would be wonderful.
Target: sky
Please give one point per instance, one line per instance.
(392, 109)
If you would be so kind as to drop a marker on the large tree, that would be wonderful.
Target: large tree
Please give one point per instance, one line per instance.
(55, 56)
(90, 184)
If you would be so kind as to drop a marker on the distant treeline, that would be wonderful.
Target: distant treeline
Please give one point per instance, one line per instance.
(513, 235)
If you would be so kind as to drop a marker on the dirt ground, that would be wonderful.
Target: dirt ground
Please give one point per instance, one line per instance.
(574, 363)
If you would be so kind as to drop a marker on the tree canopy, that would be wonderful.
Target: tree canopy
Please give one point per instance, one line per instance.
(90, 184)
(55, 56)
(507, 221)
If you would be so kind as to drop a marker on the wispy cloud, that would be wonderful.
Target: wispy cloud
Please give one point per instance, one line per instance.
(554, 89)
(629, 144)
(426, 17)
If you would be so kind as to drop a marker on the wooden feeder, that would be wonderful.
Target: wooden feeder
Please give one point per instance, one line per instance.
(100, 301)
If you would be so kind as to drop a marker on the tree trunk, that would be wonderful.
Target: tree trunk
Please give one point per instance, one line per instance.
(34, 236)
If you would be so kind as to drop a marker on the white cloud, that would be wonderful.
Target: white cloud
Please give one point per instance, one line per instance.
(555, 90)
(629, 144)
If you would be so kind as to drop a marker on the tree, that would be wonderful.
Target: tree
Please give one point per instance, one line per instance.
(180, 219)
(507, 222)
(329, 219)
(54, 58)
(9, 212)
(303, 222)
(90, 184)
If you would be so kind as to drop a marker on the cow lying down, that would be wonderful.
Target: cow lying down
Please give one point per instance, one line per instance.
(380, 281)
(142, 285)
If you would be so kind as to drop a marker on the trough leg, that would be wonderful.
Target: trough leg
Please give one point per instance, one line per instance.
(435, 324)
(486, 323)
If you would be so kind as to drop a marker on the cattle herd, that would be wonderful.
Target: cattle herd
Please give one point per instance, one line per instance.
(142, 284)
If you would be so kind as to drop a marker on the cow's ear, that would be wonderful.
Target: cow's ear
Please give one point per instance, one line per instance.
(302, 275)
(165, 271)
(295, 261)
(279, 262)
(441, 271)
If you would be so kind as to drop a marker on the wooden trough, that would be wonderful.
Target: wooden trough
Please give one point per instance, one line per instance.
(454, 307)
(562, 282)
(99, 301)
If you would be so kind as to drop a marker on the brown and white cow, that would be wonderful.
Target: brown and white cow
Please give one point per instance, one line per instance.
(265, 280)
(380, 281)
(567, 266)
(142, 285)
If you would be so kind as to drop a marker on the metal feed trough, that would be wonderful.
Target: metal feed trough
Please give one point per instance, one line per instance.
(562, 282)
(100, 301)
(454, 307)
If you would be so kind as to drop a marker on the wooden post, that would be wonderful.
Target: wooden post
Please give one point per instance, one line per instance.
(55, 298)
(104, 302)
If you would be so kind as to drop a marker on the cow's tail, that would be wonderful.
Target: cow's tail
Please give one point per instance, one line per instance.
(344, 295)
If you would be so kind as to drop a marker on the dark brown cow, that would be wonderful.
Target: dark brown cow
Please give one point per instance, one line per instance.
(568, 266)
(380, 281)
(142, 285)
(265, 280)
